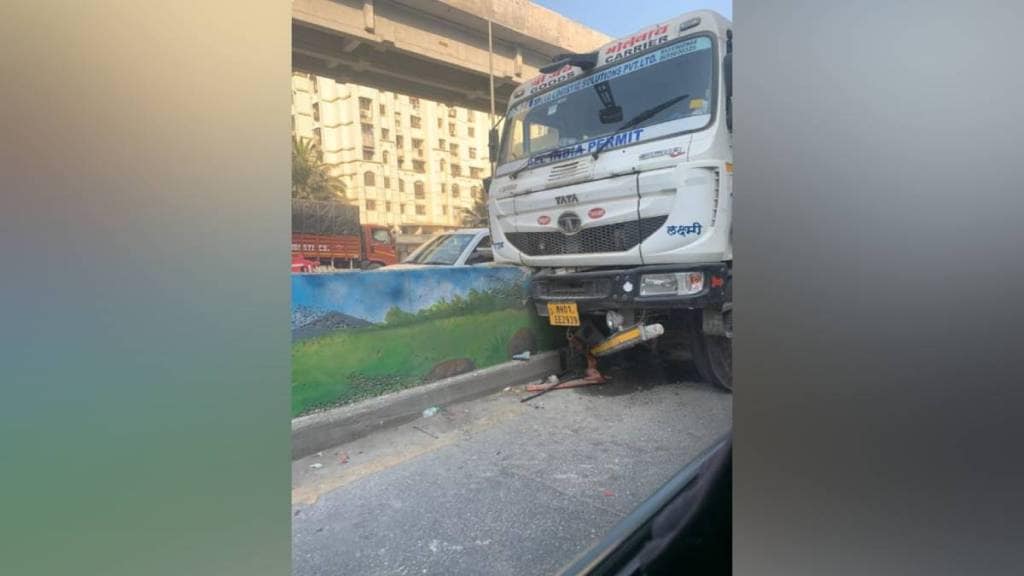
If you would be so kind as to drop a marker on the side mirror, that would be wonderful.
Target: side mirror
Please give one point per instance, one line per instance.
(611, 115)
(492, 144)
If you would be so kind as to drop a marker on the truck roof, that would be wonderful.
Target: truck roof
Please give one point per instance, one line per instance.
(626, 47)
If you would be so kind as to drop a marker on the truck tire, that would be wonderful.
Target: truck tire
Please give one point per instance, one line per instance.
(712, 356)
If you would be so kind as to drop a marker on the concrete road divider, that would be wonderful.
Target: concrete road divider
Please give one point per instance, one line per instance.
(319, 431)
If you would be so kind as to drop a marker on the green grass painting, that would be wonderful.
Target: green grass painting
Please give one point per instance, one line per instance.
(350, 365)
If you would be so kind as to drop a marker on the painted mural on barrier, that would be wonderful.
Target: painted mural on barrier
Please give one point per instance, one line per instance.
(361, 334)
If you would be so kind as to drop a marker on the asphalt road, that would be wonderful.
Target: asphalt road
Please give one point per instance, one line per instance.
(496, 486)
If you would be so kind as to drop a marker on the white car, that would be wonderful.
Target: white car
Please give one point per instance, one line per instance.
(467, 247)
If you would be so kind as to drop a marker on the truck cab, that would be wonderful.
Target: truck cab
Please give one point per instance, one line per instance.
(613, 181)
(378, 247)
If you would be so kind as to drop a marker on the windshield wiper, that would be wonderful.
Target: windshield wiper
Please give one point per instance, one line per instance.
(639, 118)
(516, 172)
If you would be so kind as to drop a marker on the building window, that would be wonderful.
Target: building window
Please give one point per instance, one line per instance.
(368, 134)
(476, 191)
(401, 185)
(442, 164)
(399, 141)
(387, 157)
(475, 172)
(418, 187)
(414, 121)
(401, 208)
(387, 182)
(454, 149)
(365, 103)
(471, 131)
(369, 179)
(367, 153)
(451, 130)
(371, 205)
(451, 112)
(444, 210)
(414, 102)
(421, 210)
(440, 122)
(418, 166)
(440, 143)
(472, 153)
(382, 110)
(385, 134)
(456, 170)
(455, 190)
(387, 206)
(316, 111)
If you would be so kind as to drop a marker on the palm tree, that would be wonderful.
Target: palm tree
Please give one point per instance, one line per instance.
(311, 177)
(476, 215)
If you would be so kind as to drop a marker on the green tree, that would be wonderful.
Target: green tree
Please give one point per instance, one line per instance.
(395, 316)
(311, 177)
(476, 215)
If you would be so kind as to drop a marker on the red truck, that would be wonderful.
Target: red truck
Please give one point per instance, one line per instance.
(330, 234)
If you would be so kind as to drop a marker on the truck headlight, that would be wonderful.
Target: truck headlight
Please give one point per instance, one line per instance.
(676, 284)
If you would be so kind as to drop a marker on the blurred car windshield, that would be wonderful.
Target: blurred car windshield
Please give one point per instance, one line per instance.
(442, 251)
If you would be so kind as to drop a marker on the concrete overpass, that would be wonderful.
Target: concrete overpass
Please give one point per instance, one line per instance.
(435, 49)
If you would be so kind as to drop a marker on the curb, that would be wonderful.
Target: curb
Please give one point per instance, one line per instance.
(320, 431)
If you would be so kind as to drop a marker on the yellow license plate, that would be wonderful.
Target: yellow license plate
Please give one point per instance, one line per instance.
(563, 314)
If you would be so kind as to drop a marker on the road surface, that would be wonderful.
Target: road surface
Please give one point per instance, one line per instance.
(496, 486)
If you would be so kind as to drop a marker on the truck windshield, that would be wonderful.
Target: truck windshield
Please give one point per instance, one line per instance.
(567, 121)
(442, 251)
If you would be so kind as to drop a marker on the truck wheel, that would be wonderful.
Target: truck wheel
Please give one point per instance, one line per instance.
(713, 357)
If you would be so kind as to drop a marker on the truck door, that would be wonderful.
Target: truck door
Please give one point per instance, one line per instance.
(381, 247)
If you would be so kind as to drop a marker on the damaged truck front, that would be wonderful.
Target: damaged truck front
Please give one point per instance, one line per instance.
(613, 181)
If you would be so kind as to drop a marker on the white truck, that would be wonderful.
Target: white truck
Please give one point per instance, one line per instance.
(613, 181)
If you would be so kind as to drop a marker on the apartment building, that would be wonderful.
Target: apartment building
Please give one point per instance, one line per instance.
(408, 163)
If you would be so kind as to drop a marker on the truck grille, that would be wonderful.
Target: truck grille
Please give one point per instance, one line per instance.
(568, 171)
(609, 238)
(572, 288)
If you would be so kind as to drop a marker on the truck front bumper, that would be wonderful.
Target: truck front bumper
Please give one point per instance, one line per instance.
(602, 290)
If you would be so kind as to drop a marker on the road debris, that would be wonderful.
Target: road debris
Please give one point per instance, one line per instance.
(522, 356)
(430, 411)
(546, 386)
(316, 466)
(342, 457)
(432, 435)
